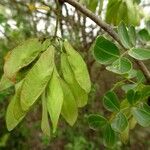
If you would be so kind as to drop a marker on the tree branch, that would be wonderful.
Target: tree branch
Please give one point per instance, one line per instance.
(106, 27)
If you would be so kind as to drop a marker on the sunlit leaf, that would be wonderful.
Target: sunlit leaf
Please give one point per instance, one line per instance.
(69, 108)
(120, 66)
(14, 114)
(119, 123)
(105, 51)
(80, 95)
(139, 53)
(21, 56)
(54, 98)
(142, 116)
(132, 35)
(79, 67)
(37, 79)
(45, 122)
(123, 35)
(5, 83)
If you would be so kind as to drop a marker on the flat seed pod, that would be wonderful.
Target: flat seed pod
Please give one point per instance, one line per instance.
(45, 122)
(21, 56)
(37, 79)
(69, 108)
(54, 98)
(80, 95)
(14, 113)
(79, 67)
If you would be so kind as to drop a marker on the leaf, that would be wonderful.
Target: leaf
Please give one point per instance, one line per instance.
(111, 13)
(109, 137)
(54, 99)
(111, 101)
(5, 83)
(139, 53)
(142, 116)
(79, 67)
(132, 35)
(105, 51)
(37, 79)
(123, 35)
(128, 87)
(119, 123)
(133, 96)
(125, 135)
(92, 5)
(132, 123)
(96, 121)
(45, 122)
(21, 56)
(120, 66)
(80, 95)
(144, 35)
(46, 44)
(69, 108)
(14, 113)
(145, 91)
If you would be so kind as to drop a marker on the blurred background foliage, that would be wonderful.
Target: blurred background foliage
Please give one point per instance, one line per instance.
(22, 19)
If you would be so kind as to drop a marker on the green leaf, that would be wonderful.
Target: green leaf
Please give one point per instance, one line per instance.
(14, 113)
(123, 35)
(37, 78)
(120, 66)
(109, 137)
(128, 87)
(145, 91)
(54, 99)
(111, 13)
(79, 67)
(92, 5)
(96, 121)
(5, 83)
(45, 122)
(142, 116)
(21, 56)
(119, 123)
(80, 95)
(132, 35)
(139, 53)
(69, 108)
(133, 96)
(111, 101)
(144, 35)
(105, 51)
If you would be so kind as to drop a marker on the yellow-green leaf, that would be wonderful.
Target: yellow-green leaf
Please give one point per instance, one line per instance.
(45, 122)
(78, 66)
(14, 113)
(37, 79)
(80, 95)
(5, 83)
(21, 56)
(69, 109)
(54, 99)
